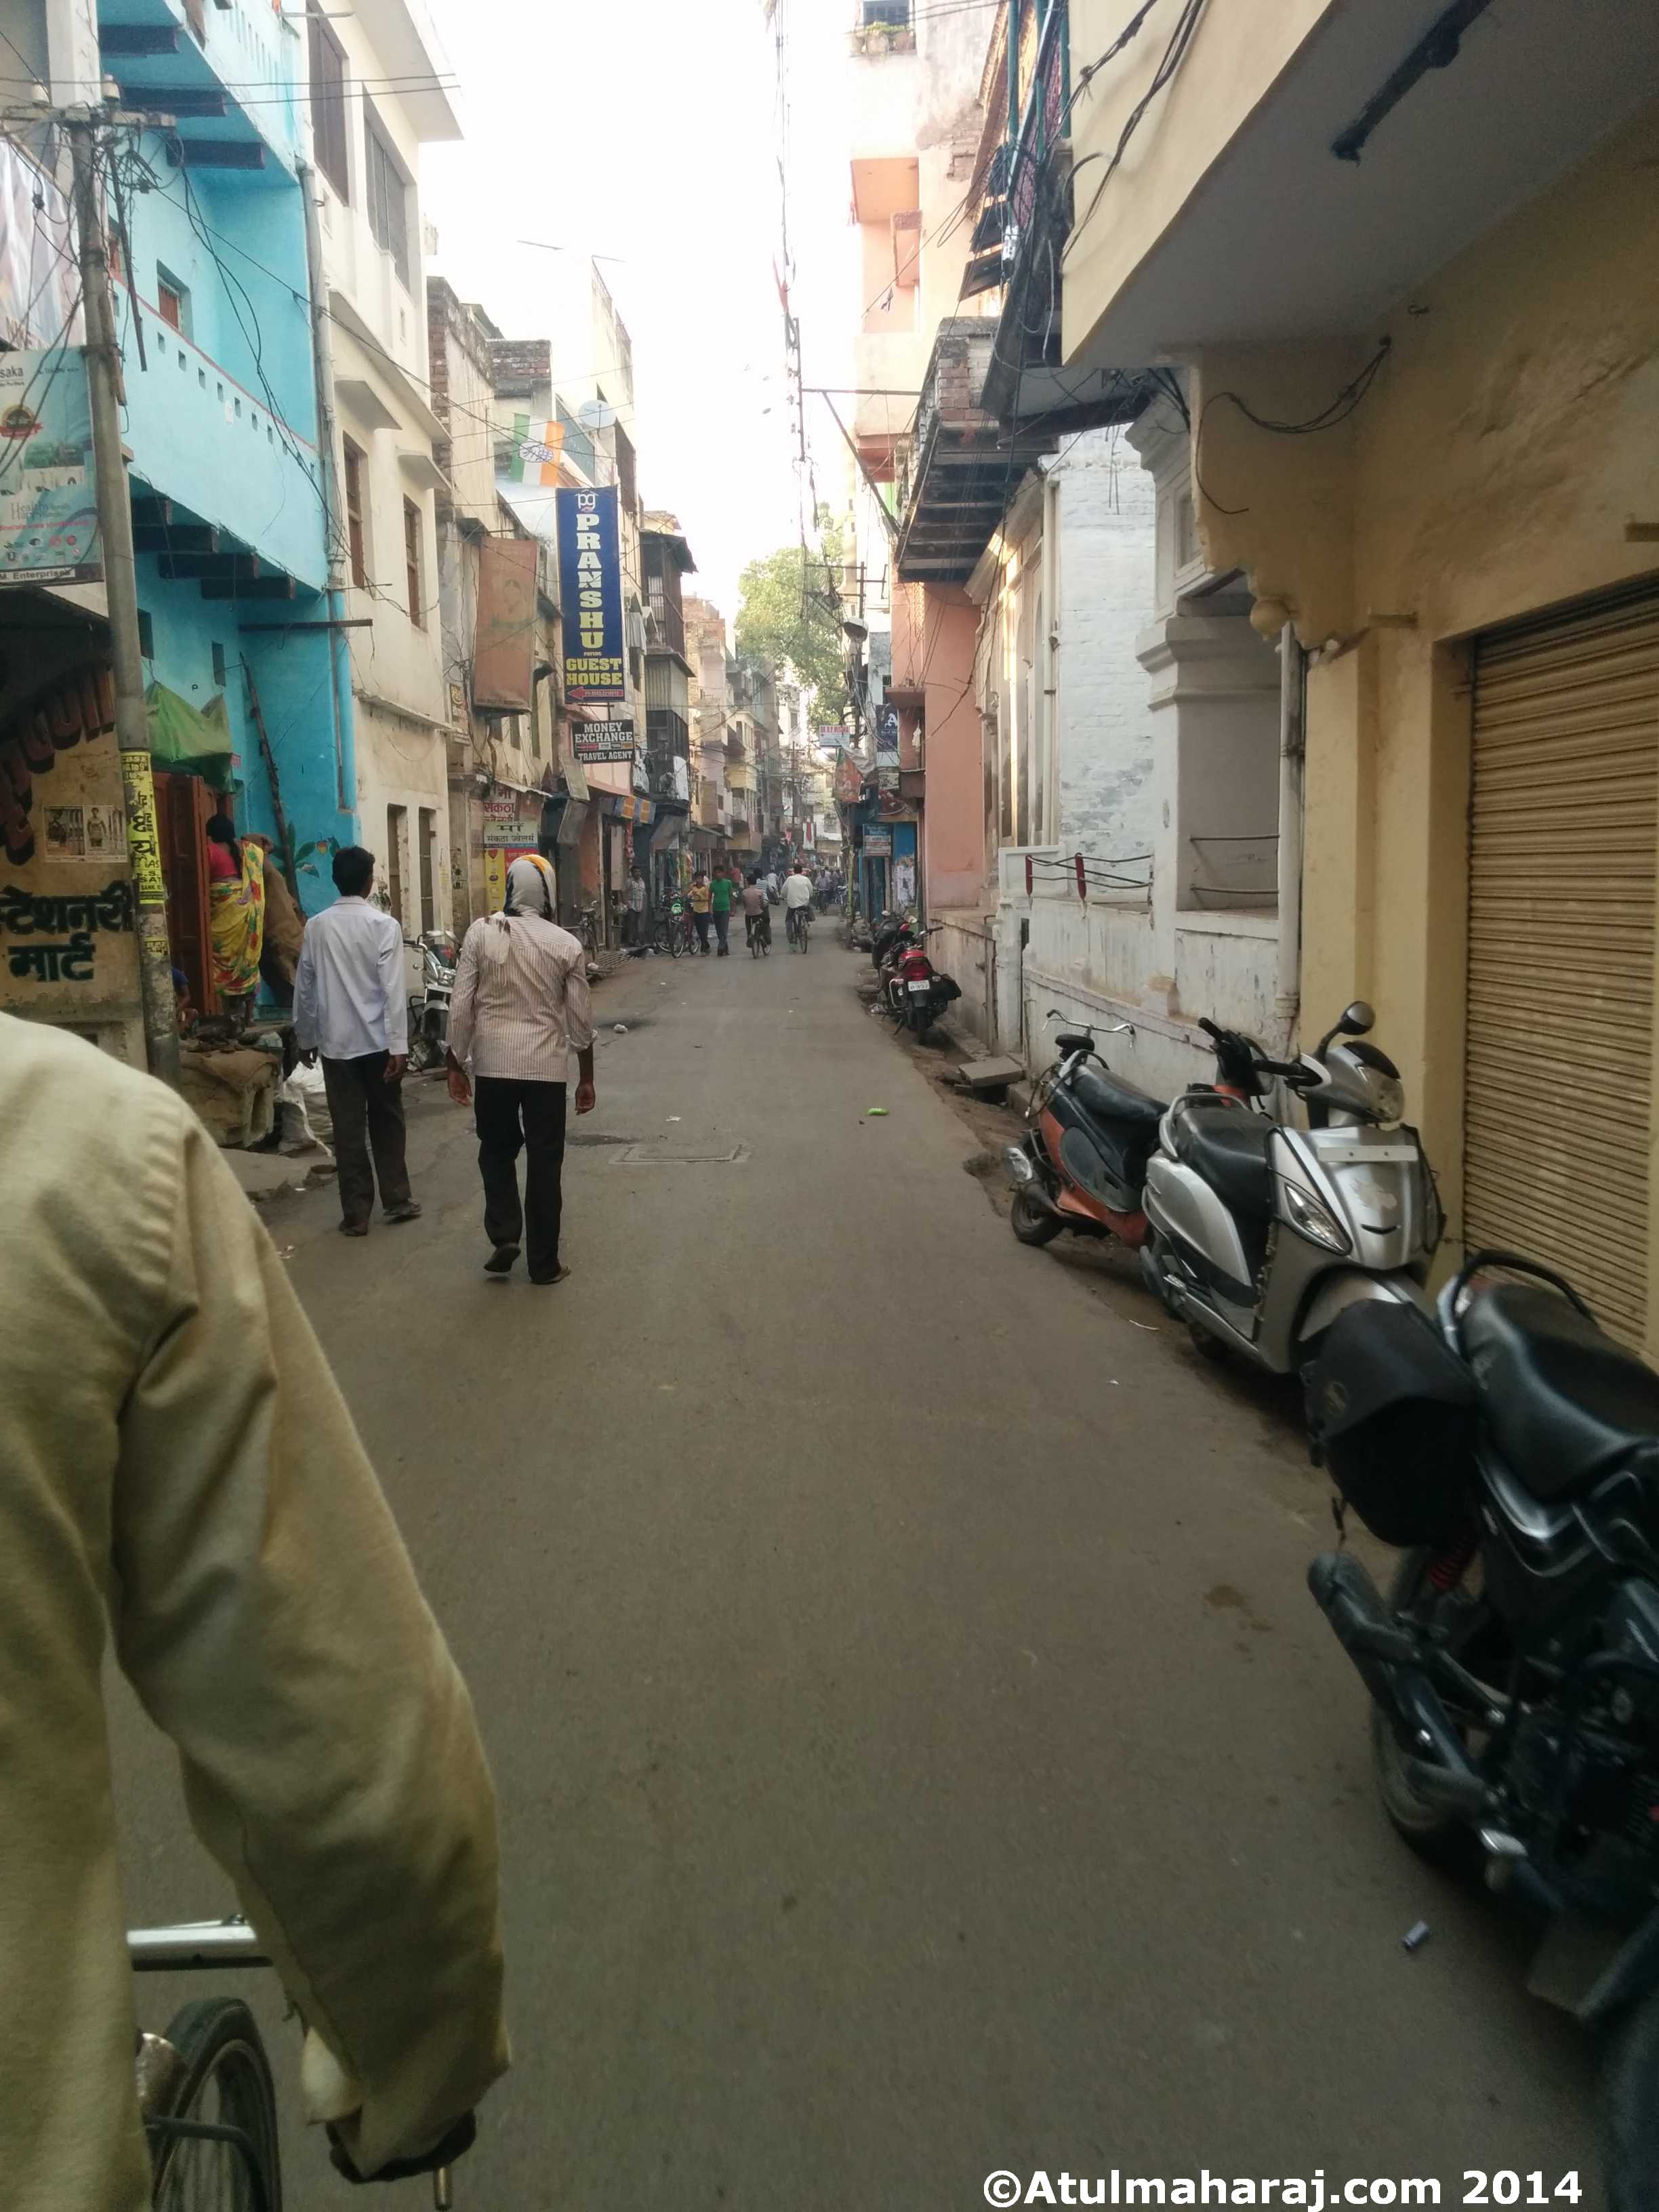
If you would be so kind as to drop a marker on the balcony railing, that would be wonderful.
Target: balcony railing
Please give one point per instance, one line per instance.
(883, 27)
(199, 439)
(962, 470)
(1041, 128)
(668, 629)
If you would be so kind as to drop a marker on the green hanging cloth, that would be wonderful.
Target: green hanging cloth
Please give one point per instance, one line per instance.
(192, 740)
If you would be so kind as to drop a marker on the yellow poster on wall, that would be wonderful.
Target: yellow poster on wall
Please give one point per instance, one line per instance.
(498, 859)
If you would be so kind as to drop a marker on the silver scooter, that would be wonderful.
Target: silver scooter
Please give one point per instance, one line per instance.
(1260, 1232)
(430, 970)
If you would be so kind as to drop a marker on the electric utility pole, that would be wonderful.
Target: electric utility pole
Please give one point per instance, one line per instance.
(121, 588)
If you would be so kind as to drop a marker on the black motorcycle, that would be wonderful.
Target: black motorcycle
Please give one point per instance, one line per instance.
(1511, 1450)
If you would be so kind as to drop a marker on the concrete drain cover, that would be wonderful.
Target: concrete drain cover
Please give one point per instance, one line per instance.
(674, 1156)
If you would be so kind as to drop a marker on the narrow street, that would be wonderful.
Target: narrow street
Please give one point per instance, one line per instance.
(918, 1752)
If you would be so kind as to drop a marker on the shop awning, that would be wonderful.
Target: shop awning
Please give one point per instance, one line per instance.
(191, 740)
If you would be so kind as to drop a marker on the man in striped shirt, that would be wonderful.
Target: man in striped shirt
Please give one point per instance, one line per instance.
(520, 1008)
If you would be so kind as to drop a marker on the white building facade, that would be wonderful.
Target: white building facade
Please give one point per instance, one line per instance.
(1137, 724)
(368, 136)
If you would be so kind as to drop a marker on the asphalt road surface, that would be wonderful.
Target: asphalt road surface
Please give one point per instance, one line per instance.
(919, 1755)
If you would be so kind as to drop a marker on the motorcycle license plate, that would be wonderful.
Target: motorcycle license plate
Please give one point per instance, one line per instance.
(919, 988)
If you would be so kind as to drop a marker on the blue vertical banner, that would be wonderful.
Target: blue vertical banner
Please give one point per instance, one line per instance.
(590, 595)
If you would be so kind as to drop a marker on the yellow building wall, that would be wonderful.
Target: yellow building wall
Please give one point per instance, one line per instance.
(1504, 460)
(1237, 53)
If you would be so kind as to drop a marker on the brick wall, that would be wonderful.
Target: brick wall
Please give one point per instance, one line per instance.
(517, 365)
(442, 307)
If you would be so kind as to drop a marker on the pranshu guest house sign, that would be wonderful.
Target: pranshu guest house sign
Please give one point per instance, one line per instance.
(590, 595)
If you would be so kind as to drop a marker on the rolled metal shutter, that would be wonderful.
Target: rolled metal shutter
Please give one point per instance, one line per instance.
(1563, 816)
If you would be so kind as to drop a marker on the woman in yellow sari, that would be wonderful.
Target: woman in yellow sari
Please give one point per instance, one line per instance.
(236, 888)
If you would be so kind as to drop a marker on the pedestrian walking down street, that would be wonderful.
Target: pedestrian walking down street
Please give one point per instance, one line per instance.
(720, 907)
(701, 894)
(634, 914)
(350, 1006)
(520, 1008)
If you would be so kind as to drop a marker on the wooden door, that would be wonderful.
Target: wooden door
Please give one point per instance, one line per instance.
(182, 805)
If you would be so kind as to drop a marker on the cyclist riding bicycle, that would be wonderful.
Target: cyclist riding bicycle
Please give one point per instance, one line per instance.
(178, 1466)
(797, 899)
(756, 919)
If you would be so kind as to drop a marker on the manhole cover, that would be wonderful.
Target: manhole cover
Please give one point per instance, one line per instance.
(674, 1156)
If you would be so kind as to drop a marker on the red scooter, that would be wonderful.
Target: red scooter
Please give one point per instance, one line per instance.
(1082, 1163)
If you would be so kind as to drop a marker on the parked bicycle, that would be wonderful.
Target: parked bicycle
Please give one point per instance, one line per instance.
(672, 934)
(204, 2088)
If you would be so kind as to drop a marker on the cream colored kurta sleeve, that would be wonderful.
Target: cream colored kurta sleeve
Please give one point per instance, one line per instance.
(267, 1614)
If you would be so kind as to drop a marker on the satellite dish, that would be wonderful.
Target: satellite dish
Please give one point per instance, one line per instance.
(594, 415)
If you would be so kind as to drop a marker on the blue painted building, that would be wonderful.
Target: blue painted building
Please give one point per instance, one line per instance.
(229, 494)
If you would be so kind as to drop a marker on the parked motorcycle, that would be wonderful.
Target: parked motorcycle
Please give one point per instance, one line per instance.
(429, 968)
(1082, 1164)
(889, 932)
(1512, 1449)
(915, 993)
(1259, 1233)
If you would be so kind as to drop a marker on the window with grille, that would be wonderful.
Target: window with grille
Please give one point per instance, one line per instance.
(896, 14)
(397, 824)
(387, 188)
(328, 97)
(357, 535)
(412, 563)
(428, 822)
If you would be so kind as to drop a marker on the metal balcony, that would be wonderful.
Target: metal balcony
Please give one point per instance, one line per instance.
(963, 468)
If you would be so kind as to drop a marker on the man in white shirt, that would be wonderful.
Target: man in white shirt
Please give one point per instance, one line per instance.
(520, 1008)
(350, 1004)
(634, 919)
(797, 896)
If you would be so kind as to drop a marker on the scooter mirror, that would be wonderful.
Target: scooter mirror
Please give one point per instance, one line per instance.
(1361, 1017)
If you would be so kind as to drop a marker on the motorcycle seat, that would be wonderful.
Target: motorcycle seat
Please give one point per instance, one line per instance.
(1232, 1149)
(1566, 1406)
(1108, 1097)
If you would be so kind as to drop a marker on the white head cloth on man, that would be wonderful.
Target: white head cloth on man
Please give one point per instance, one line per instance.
(530, 890)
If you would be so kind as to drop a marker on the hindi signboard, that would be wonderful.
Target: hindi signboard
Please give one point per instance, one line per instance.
(591, 598)
(513, 819)
(48, 508)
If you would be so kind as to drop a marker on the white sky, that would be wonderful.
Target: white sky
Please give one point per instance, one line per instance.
(646, 128)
